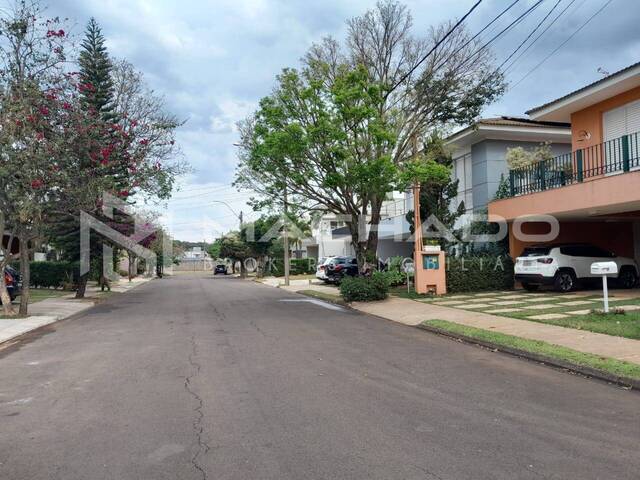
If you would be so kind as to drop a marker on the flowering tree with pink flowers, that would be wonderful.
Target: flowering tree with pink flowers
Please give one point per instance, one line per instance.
(58, 153)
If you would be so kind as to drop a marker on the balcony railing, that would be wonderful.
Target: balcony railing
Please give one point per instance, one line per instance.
(614, 156)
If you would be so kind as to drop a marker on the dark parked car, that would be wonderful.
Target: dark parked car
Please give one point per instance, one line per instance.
(339, 267)
(220, 269)
(12, 280)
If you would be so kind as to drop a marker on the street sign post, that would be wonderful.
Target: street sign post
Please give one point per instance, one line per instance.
(409, 268)
(604, 269)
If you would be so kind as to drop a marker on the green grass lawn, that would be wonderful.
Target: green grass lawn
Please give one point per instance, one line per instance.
(620, 325)
(610, 365)
(39, 294)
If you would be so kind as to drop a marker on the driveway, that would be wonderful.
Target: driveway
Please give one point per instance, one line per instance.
(196, 377)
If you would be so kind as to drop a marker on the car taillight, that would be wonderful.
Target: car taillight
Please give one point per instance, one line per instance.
(546, 261)
(8, 279)
(321, 267)
(338, 268)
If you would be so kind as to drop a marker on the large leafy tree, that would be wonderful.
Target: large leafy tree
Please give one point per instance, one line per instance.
(340, 132)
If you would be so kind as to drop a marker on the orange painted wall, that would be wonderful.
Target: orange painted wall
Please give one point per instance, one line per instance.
(620, 190)
(590, 119)
(617, 237)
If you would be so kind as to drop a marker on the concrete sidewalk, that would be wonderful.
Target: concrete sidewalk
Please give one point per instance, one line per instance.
(52, 310)
(410, 312)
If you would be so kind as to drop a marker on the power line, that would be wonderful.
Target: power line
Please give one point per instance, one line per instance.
(438, 43)
(563, 43)
(540, 35)
(504, 30)
(530, 34)
(495, 19)
(205, 192)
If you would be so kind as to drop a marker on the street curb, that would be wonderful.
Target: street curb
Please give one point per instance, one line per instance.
(553, 362)
(340, 303)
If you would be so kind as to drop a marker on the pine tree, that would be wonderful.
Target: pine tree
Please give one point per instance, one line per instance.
(436, 197)
(504, 190)
(95, 72)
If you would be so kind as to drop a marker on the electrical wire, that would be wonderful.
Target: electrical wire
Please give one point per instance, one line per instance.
(503, 31)
(563, 43)
(495, 19)
(510, 66)
(433, 49)
(544, 19)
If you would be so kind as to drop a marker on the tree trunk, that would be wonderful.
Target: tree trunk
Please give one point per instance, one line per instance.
(243, 269)
(5, 299)
(366, 244)
(25, 273)
(82, 285)
(131, 262)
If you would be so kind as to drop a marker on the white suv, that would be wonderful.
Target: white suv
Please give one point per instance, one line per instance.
(563, 266)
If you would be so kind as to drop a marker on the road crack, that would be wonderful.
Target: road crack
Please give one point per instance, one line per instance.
(198, 427)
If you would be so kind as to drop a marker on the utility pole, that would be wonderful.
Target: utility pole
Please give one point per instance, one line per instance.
(240, 217)
(285, 238)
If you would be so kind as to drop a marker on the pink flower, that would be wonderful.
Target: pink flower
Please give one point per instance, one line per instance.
(44, 111)
(124, 193)
(53, 33)
(144, 141)
(35, 184)
(66, 106)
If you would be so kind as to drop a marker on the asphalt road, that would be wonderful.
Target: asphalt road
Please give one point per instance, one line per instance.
(194, 377)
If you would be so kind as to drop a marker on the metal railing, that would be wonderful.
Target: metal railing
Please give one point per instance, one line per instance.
(614, 156)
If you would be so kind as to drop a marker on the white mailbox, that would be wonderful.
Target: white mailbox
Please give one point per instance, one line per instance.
(604, 268)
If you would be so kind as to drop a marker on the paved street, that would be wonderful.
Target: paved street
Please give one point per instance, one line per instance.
(196, 377)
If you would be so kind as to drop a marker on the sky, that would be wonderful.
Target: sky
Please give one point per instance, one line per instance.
(213, 60)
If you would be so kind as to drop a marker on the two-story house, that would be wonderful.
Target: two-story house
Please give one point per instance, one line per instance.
(593, 192)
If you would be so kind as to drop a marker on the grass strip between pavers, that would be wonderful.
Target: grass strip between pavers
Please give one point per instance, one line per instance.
(329, 297)
(609, 365)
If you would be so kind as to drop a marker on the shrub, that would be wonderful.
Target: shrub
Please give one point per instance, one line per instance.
(364, 289)
(54, 274)
(479, 273)
(392, 278)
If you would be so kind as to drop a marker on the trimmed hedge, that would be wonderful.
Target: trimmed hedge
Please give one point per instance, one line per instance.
(479, 273)
(54, 274)
(364, 289)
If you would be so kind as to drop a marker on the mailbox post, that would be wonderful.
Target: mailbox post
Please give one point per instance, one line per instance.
(604, 269)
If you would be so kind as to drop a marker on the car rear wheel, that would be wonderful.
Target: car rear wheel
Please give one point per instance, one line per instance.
(628, 278)
(565, 281)
(530, 287)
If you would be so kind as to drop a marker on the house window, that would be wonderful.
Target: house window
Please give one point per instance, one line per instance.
(462, 171)
(616, 123)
